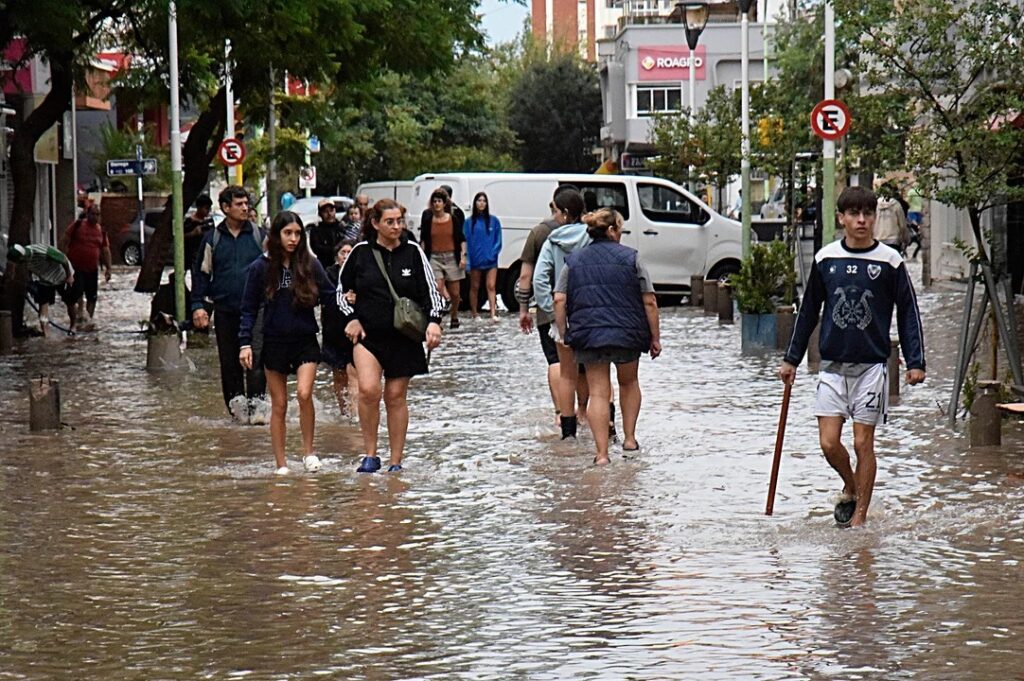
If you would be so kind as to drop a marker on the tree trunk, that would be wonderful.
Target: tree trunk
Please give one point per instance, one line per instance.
(23, 171)
(196, 156)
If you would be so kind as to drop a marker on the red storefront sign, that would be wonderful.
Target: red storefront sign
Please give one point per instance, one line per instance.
(669, 63)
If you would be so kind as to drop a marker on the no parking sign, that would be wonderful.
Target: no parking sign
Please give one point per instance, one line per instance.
(830, 119)
(231, 151)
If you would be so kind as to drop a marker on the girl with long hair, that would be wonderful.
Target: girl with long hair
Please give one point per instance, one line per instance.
(483, 246)
(287, 282)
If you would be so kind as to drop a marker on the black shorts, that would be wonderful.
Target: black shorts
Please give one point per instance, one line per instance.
(85, 282)
(547, 343)
(337, 353)
(286, 355)
(45, 294)
(399, 356)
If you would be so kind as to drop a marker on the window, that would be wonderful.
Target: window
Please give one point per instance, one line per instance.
(654, 99)
(604, 195)
(664, 204)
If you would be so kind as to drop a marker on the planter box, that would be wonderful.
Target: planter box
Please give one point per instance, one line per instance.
(163, 352)
(757, 333)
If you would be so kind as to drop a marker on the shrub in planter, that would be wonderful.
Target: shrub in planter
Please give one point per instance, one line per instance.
(765, 280)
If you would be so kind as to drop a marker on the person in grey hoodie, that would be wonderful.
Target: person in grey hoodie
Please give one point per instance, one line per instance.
(571, 236)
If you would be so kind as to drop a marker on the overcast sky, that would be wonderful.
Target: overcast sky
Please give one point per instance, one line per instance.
(502, 21)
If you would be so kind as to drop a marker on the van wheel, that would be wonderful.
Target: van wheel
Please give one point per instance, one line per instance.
(507, 286)
(131, 254)
(668, 300)
(723, 269)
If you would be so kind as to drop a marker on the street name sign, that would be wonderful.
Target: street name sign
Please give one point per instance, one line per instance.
(131, 166)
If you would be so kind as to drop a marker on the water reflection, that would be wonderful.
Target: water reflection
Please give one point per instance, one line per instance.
(152, 541)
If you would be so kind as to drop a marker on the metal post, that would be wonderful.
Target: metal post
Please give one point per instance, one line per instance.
(986, 421)
(229, 124)
(74, 155)
(176, 177)
(271, 161)
(828, 151)
(745, 143)
(893, 369)
(693, 109)
(307, 161)
(138, 186)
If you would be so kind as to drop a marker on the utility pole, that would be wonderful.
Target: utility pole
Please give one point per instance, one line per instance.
(229, 126)
(828, 151)
(745, 139)
(272, 161)
(177, 209)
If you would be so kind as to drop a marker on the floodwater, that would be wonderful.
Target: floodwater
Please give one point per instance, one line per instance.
(150, 540)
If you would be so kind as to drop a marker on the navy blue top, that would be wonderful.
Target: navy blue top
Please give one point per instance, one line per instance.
(282, 318)
(218, 274)
(859, 288)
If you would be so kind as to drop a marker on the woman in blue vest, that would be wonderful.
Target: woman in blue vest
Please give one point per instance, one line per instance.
(483, 246)
(606, 310)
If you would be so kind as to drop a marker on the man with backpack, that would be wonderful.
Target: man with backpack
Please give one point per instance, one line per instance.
(218, 281)
(891, 223)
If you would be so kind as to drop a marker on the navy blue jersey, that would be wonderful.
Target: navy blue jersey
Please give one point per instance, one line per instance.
(859, 289)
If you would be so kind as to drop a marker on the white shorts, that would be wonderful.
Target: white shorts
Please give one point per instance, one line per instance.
(864, 397)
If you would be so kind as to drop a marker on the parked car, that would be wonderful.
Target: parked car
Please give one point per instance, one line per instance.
(397, 190)
(675, 232)
(129, 245)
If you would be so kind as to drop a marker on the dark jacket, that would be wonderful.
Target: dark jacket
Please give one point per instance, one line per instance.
(324, 238)
(604, 301)
(410, 274)
(218, 274)
(282, 318)
(458, 218)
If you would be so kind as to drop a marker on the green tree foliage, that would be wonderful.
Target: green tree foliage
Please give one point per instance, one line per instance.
(957, 67)
(766, 279)
(555, 111)
(711, 145)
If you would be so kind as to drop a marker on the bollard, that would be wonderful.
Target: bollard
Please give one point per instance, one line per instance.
(6, 333)
(696, 290)
(163, 352)
(986, 422)
(710, 297)
(893, 369)
(724, 303)
(785, 319)
(44, 404)
(814, 351)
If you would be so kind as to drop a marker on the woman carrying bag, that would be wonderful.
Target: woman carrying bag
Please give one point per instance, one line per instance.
(388, 272)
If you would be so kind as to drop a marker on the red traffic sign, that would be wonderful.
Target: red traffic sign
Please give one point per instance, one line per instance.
(231, 151)
(830, 119)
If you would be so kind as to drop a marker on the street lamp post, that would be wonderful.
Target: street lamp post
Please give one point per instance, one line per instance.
(177, 209)
(695, 18)
(744, 6)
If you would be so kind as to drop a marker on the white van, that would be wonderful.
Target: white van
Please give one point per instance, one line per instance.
(397, 190)
(676, 233)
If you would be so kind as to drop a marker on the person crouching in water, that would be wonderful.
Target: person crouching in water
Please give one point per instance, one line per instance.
(288, 282)
(337, 352)
(380, 349)
(606, 310)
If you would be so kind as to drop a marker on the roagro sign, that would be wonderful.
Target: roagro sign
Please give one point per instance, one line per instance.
(669, 63)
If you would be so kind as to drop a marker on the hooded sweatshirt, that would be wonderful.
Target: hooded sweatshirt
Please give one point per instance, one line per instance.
(560, 243)
(891, 223)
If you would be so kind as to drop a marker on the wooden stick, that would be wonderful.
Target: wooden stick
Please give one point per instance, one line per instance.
(778, 449)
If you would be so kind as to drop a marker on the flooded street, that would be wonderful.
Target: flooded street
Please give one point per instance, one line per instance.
(149, 539)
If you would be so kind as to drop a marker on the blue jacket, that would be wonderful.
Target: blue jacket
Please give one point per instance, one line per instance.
(560, 242)
(859, 288)
(483, 243)
(604, 300)
(282, 318)
(218, 274)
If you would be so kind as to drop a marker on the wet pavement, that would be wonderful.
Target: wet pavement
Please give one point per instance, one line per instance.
(149, 538)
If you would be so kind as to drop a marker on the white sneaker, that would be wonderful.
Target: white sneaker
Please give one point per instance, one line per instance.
(311, 462)
(283, 470)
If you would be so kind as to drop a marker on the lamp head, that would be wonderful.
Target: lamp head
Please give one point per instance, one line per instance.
(695, 18)
(745, 5)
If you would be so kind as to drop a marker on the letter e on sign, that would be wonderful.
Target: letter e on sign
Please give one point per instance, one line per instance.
(830, 119)
(231, 152)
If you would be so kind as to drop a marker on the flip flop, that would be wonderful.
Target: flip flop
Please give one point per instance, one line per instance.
(843, 512)
(632, 449)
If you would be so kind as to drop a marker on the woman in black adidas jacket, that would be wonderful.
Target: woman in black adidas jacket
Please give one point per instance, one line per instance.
(380, 350)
